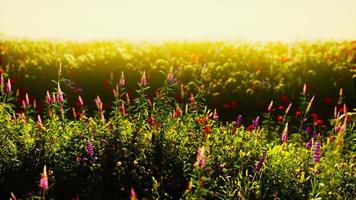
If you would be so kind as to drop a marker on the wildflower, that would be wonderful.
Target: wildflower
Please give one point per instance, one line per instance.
(206, 129)
(200, 163)
(327, 100)
(8, 86)
(314, 116)
(305, 89)
(122, 108)
(285, 133)
(48, 98)
(177, 113)
(133, 195)
(13, 197)
(39, 121)
(1, 80)
(170, 76)
(310, 104)
(227, 106)
(284, 98)
(281, 107)
(60, 98)
(308, 130)
(256, 122)
(127, 98)
(314, 134)
(318, 122)
(309, 144)
(151, 121)
(143, 79)
(44, 179)
(316, 155)
(298, 113)
(90, 148)
(238, 121)
(122, 80)
(80, 101)
(233, 104)
(215, 115)
(202, 120)
(269, 109)
(250, 127)
(288, 108)
(99, 104)
(260, 162)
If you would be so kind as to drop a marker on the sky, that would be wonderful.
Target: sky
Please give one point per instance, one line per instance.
(256, 20)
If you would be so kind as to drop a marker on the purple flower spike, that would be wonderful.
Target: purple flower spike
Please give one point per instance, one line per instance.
(317, 152)
(256, 122)
(309, 144)
(308, 130)
(90, 148)
(238, 121)
(260, 162)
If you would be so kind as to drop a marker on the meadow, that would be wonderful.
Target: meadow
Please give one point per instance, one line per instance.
(177, 120)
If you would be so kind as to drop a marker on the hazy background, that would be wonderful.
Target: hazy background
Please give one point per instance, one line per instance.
(263, 20)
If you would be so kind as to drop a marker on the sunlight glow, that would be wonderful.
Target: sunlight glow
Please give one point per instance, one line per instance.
(268, 20)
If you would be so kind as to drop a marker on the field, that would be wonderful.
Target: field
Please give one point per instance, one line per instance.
(177, 120)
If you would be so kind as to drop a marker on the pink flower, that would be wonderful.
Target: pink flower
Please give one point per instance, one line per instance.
(170, 76)
(122, 80)
(285, 133)
(60, 98)
(270, 107)
(122, 108)
(305, 89)
(200, 163)
(215, 115)
(80, 101)
(143, 81)
(133, 195)
(44, 179)
(99, 104)
(8, 86)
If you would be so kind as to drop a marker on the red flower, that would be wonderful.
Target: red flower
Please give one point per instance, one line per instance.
(327, 100)
(202, 120)
(314, 116)
(318, 122)
(250, 127)
(283, 98)
(206, 129)
(280, 107)
(298, 113)
(279, 118)
(233, 104)
(177, 113)
(226, 106)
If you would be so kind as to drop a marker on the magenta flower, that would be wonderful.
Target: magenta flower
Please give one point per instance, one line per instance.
(260, 162)
(270, 107)
(90, 148)
(285, 133)
(238, 121)
(44, 179)
(80, 101)
(8, 86)
(309, 144)
(133, 195)
(215, 115)
(316, 155)
(256, 122)
(60, 98)
(122, 80)
(99, 104)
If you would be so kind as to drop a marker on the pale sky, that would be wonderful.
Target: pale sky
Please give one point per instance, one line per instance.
(257, 20)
